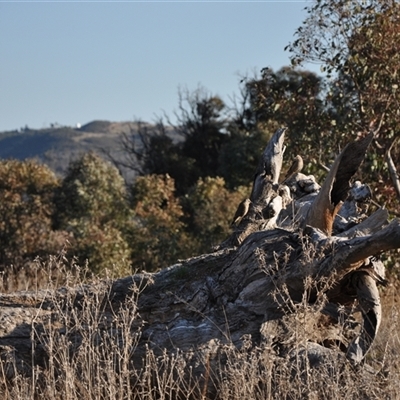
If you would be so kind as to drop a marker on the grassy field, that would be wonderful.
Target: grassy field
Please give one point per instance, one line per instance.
(100, 366)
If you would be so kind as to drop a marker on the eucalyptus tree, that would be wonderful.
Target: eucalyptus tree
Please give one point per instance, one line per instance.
(357, 44)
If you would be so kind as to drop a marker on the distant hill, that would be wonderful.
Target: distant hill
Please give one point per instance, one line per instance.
(57, 146)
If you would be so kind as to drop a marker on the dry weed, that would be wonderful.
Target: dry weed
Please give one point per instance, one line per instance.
(101, 362)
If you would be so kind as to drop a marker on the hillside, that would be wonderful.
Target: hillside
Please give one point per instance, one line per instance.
(57, 146)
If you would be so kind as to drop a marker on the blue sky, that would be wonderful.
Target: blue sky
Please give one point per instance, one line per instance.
(73, 62)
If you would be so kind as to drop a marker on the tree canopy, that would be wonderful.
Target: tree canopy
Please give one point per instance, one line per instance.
(26, 208)
(91, 203)
(357, 45)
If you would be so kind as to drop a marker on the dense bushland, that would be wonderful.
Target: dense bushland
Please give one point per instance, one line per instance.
(96, 219)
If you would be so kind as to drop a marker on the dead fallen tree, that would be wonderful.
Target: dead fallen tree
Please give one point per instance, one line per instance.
(298, 251)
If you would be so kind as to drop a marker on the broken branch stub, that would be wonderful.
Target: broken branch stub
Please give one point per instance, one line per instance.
(270, 165)
(336, 186)
(264, 203)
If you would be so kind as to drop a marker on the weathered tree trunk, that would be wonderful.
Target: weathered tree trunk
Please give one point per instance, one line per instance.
(300, 248)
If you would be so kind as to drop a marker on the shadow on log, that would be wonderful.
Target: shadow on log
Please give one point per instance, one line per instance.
(297, 251)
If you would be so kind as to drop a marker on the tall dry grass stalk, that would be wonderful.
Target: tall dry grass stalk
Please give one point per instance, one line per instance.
(102, 361)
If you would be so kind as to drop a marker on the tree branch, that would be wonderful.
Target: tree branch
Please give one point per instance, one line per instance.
(392, 170)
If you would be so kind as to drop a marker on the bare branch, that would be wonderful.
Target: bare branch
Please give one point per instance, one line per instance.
(392, 170)
(350, 254)
(336, 185)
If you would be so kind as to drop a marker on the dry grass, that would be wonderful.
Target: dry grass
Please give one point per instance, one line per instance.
(100, 364)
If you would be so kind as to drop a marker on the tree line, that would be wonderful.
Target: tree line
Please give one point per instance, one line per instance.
(93, 216)
(188, 187)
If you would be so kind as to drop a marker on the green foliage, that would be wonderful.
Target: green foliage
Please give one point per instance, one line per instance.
(92, 190)
(212, 207)
(103, 247)
(26, 207)
(88, 212)
(153, 150)
(195, 152)
(240, 154)
(211, 140)
(91, 203)
(292, 98)
(201, 124)
(165, 230)
(158, 237)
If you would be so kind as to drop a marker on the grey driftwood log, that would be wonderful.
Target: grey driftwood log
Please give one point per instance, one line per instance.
(299, 244)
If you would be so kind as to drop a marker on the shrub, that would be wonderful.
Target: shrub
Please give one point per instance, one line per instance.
(91, 203)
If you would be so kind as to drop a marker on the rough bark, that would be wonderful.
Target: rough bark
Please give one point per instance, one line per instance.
(297, 250)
